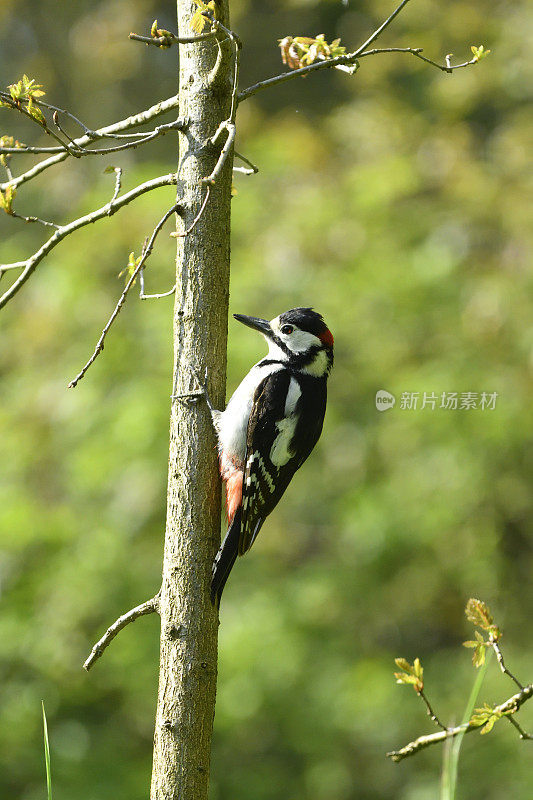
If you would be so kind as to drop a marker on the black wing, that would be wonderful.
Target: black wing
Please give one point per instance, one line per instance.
(264, 482)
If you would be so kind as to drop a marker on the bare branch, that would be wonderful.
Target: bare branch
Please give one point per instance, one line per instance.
(118, 185)
(171, 38)
(352, 59)
(521, 731)
(431, 714)
(31, 219)
(144, 296)
(108, 131)
(149, 607)
(228, 124)
(108, 209)
(499, 656)
(230, 138)
(417, 51)
(253, 169)
(381, 28)
(147, 249)
(192, 226)
(508, 708)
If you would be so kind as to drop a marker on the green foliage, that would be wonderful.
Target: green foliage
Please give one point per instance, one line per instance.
(413, 674)
(478, 612)
(486, 716)
(8, 141)
(161, 33)
(130, 267)
(6, 199)
(479, 52)
(479, 646)
(393, 201)
(201, 17)
(300, 51)
(26, 89)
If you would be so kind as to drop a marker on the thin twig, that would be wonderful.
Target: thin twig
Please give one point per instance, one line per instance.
(171, 38)
(352, 58)
(31, 219)
(147, 249)
(507, 708)
(108, 209)
(75, 147)
(191, 227)
(108, 131)
(144, 296)
(135, 140)
(149, 607)
(253, 168)
(431, 714)
(499, 656)
(230, 138)
(118, 186)
(381, 28)
(228, 124)
(521, 731)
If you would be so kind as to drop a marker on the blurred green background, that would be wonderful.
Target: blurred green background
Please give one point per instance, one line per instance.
(395, 202)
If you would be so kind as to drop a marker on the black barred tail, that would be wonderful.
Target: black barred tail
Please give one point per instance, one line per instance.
(225, 558)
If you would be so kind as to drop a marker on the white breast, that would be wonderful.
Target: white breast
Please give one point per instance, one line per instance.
(232, 423)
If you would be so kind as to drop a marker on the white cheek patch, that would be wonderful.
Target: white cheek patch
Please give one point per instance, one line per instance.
(301, 341)
(319, 366)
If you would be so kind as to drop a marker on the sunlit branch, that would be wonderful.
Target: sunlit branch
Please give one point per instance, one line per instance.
(31, 219)
(193, 224)
(144, 296)
(507, 708)
(108, 131)
(147, 249)
(417, 52)
(253, 168)
(496, 647)
(106, 210)
(230, 129)
(171, 38)
(381, 28)
(149, 607)
(352, 59)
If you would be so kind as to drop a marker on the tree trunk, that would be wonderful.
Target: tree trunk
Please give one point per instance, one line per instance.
(189, 623)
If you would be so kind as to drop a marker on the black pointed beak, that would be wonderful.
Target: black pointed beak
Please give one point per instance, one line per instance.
(261, 325)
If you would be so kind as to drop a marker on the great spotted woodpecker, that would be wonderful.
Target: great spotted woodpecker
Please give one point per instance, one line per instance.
(270, 425)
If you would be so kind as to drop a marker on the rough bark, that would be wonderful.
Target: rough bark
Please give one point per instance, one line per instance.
(189, 623)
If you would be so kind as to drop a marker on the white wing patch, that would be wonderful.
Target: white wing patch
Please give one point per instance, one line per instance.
(281, 452)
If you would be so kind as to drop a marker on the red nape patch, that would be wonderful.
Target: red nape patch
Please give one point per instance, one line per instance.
(233, 493)
(327, 338)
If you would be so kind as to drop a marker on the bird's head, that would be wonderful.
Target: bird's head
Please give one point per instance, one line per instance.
(299, 337)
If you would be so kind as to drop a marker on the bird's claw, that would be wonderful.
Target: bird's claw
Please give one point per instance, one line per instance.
(203, 389)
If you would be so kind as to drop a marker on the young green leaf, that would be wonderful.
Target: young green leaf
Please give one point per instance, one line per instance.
(6, 199)
(130, 267)
(479, 52)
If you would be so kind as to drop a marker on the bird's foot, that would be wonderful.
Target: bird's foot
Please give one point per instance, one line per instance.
(203, 392)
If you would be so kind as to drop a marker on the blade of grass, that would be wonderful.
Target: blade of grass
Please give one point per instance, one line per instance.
(47, 755)
(451, 755)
